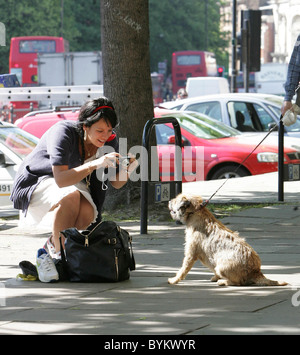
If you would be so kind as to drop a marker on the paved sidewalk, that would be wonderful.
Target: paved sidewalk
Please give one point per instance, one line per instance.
(251, 189)
(146, 304)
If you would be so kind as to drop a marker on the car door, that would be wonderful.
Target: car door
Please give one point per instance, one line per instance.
(192, 156)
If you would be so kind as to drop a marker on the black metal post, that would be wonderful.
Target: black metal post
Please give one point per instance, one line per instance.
(247, 65)
(144, 162)
(234, 44)
(144, 184)
(281, 161)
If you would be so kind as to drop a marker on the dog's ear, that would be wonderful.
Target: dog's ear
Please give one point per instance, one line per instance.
(197, 202)
(184, 203)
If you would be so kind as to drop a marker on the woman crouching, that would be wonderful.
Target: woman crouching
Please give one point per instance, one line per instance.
(58, 182)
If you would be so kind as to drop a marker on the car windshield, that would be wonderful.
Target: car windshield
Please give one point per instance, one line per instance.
(17, 140)
(204, 127)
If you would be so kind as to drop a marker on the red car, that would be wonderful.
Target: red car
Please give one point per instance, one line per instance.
(211, 149)
(37, 122)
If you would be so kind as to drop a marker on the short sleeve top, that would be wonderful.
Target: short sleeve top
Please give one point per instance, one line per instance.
(58, 146)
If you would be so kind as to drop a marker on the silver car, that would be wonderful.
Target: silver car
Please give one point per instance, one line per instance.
(246, 112)
(15, 144)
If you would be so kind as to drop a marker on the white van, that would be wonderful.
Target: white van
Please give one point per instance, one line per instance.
(206, 85)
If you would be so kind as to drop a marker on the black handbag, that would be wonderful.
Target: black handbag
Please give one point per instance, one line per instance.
(103, 254)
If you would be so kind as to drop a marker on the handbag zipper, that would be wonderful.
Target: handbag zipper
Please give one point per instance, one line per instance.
(86, 241)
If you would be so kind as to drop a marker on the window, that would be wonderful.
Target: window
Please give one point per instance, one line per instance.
(294, 127)
(242, 116)
(163, 132)
(204, 127)
(264, 118)
(37, 46)
(188, 60)
(211, 109)
(17, 140)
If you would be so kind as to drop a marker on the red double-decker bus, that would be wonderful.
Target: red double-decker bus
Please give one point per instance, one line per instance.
(23, 55)
(23, 62)
(187, 64)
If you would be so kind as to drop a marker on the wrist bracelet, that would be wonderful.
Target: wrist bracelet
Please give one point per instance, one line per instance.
(90, 169)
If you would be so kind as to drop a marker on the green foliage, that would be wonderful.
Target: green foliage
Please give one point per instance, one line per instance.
(81, 23)
(177, 25)
(35, 18)
(87, 24)
(174, 25)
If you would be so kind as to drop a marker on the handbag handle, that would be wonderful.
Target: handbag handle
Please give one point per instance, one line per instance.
(62, 252)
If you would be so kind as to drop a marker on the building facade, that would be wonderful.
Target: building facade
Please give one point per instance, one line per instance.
(280, 26)
(286, 18)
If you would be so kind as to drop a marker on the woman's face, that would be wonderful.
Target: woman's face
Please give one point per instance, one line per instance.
(98, 133)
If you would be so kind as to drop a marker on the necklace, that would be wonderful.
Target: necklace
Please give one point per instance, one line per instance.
(90, 152)
(88, 180)
(88, 177)
(90, 170)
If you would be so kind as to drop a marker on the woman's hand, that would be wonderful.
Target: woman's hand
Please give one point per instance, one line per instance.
(125, 172)
(106, 161)
(111, 160)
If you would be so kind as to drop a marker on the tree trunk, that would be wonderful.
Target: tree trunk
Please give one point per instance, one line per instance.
(126, 68)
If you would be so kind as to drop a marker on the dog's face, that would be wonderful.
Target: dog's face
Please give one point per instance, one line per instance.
(182, 206)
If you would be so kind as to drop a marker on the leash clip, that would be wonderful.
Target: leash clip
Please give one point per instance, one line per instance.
(204, 203)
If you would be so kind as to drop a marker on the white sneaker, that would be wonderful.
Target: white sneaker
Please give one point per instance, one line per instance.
(50, 249)
(45, 267)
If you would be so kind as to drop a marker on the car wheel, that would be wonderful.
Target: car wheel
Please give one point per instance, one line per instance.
(229, 172)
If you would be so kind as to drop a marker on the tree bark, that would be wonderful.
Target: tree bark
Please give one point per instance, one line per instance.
(126, 70)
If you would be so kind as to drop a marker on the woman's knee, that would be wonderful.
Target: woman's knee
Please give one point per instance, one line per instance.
(71, 201)
(69, 205)
(77, 206)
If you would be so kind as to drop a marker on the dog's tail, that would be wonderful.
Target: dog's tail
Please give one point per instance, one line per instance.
(261, 280)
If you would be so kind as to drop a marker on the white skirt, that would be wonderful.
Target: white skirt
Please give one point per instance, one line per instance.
(46, 195)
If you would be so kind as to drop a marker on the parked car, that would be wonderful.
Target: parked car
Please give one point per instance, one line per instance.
(15, 144)
(223, 149)
(212, 150)
(38, 122)
(247, 112)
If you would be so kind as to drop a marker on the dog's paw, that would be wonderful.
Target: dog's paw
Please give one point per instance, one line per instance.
(215, 278)
(173, 281)
(222, 282)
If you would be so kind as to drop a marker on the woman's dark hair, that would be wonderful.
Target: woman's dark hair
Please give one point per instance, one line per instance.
(93, 111)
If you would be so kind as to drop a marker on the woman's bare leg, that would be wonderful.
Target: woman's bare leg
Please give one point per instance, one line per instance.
(72, 211)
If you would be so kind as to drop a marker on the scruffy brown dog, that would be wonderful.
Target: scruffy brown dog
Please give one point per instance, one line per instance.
(223, 251)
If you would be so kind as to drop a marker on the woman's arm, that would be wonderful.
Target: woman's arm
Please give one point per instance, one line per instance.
(66, 177)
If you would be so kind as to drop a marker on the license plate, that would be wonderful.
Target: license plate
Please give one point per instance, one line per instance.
(5, 189)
